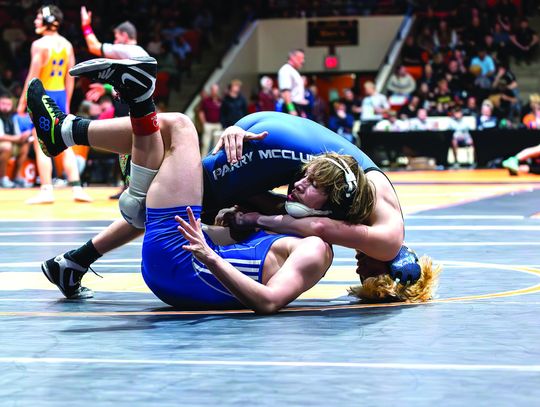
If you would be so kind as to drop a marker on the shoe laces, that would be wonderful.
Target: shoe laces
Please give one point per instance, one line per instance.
(51, 104)
(93, 271)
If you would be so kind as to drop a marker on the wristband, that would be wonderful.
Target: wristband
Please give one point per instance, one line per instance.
(290, 107)
(108, 88)
(87, 30)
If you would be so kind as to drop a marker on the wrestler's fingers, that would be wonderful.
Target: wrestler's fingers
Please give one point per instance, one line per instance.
(192, 221)
(254, 136)
(227, 148)
(239, 146)
(186, 227)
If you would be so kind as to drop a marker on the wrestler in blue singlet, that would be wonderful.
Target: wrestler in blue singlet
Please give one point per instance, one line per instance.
(274, 161)
(178, 278)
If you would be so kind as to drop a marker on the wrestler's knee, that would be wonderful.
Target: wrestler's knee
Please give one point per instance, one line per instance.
(133, 209)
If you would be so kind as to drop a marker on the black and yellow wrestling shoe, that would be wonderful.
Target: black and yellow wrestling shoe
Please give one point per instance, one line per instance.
(47, 118)
(134, 79)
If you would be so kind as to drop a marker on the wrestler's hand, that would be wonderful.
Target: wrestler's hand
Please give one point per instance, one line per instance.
(96, 91)
(245, 220)
(225, 216)
(86, 17)
(232, 140)
(192, 231)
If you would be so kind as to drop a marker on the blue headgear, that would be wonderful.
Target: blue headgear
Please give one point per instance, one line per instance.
(404, 268)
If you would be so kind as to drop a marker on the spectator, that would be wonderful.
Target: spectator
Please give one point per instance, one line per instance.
(154, 46)
(443, 98)
(374, 104)
(486, 120)
(444, 38)
(425, 40)
(532, 119)
(291, 84)
(455, 77)
(506, 83)
(169, 62)
(401, 83)
(209, 116)
(352, 104)
(483, 67)
(341, 122)
(320, 107)
(524, 41)
(461, 136)
(234, 105)
(421, 122)
(410, 110)
(411, 53)
(471, 107)
(474, 34)
(501, 39)
(266, 99)
(10, 136)
(392, 123)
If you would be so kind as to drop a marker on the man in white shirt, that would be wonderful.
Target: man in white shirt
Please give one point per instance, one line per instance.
(374, 104)
(291, 84)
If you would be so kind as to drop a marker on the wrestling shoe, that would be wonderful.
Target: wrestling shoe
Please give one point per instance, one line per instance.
(512, 165)
(47, 118)
(66, 275)
(134, 79)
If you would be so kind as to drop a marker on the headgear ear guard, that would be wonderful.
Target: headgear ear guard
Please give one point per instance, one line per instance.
(339, 211)
(48, 17)
(405, 267)
(299, 210)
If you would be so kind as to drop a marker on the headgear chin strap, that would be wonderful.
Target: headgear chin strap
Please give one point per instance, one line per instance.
(298, 210)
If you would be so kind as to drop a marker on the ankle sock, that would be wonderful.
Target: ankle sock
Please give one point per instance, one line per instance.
(84, 255)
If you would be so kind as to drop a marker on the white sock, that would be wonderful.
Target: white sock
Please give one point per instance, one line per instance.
(140, 180)
(67, 130)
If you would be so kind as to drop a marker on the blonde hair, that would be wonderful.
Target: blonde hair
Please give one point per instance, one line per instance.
(384, 289)
(329, 176)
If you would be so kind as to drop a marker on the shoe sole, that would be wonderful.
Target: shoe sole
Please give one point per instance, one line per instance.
(103, 63)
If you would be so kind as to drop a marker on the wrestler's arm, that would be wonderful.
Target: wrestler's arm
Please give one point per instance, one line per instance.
(38, 55)
(93, 44)
(304, 267)
(381, 239)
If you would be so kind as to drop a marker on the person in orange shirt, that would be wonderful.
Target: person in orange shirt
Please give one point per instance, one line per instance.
(51, 58)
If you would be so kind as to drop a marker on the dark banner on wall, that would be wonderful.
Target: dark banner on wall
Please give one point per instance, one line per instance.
(332, 33)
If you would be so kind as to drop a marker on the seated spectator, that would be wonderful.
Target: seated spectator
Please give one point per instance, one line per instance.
(421, 123)
(501, 39)
(532, 119)
(410, 110)
(474, 34)
(392, 123)
(443, 99)
(444, 38)
(438, 65)
(401, 83)
(266, 99)
(341, 122)
(461, 136)
(524, 41)
(506, 88)
(425, 95)
(455, 77)
(425, 40)
(483, 67)
(154, 45)
(486, 120)
(374, 104)
(320, 107)
(169, 62)
(352, 103)
(11, 136)
(411, 54)
(471, 107)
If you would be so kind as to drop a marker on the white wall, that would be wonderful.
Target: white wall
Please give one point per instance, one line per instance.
(276, 38)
